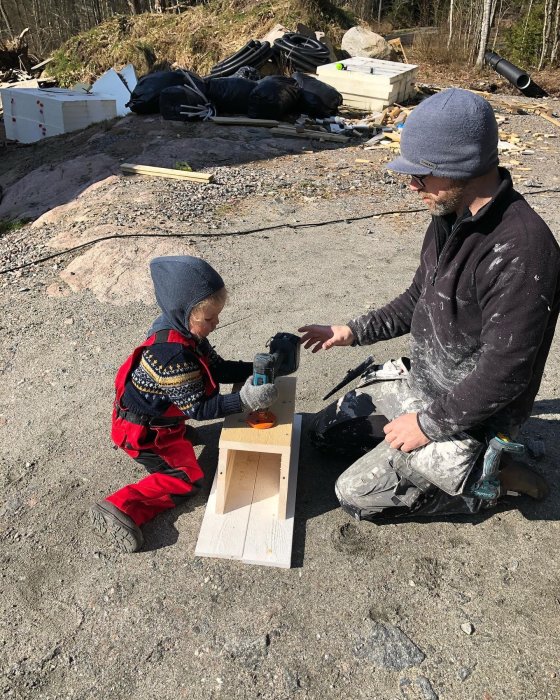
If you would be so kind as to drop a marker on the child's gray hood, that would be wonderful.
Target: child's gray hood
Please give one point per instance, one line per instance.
(181, 282)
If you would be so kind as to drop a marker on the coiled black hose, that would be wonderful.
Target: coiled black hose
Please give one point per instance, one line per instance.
(254, 53)
(301, 52)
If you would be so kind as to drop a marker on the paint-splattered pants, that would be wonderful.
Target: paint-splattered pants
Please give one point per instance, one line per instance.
(431, 480)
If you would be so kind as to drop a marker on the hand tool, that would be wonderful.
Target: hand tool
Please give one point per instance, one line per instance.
(282, 359)
(488, 486)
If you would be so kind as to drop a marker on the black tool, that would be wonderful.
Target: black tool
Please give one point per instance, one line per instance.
(282, 359)
(350, 375)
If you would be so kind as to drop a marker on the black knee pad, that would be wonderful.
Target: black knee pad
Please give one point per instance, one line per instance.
(341, 431)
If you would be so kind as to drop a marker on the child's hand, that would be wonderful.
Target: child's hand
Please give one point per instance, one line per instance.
(257, 398)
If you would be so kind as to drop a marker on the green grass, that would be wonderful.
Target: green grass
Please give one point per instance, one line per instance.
(7, 225)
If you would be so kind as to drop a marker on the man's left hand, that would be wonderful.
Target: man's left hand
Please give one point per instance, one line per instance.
(404, 433)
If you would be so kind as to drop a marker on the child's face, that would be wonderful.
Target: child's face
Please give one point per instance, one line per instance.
(203, 322)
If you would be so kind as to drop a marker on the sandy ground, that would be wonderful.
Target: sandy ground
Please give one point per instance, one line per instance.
(367, 612)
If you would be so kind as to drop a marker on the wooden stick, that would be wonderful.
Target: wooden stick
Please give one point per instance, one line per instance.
(166, 172)
(550, 119)
(308, 134)
(242, 121)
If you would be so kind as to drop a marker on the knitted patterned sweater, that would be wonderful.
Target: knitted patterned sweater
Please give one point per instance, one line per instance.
(170, 373)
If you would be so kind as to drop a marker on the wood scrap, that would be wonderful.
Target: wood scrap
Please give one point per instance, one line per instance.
(244, 121)
(309, 134)
(549, 118)
(399, 48)
(202, 178)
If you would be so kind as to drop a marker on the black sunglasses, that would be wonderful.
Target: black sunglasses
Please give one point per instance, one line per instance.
(419, 180)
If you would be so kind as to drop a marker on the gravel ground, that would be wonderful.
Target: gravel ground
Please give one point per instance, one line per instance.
(452, 609)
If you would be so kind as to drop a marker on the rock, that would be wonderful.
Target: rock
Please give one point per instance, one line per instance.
(387, 647)
(247, 652)
(58, 290)
(467, 627)
(360, 41)
(51, 186)
(417, 689)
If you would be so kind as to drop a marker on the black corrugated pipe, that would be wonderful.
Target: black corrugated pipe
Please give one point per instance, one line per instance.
(517, 77)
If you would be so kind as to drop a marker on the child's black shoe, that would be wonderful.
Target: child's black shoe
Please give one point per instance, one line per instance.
(116, 526)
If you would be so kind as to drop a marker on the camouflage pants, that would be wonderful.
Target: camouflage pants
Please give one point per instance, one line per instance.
(431, 480)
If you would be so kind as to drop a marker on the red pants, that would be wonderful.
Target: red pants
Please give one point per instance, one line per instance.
(168, 456)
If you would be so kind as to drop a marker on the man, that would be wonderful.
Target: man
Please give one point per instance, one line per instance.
(481, 311)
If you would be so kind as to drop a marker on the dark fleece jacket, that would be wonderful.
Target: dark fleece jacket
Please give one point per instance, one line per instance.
(481, 311)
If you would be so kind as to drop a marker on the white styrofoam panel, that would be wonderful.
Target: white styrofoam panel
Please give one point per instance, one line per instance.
(53, 111)
(391, 70)
(129, 75)
(111, 84)
(28, 130)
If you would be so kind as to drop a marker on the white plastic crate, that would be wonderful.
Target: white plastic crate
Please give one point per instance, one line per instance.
(369, 83)
(33, 114)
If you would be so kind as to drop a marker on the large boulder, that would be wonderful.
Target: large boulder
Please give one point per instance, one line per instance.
(360, 41)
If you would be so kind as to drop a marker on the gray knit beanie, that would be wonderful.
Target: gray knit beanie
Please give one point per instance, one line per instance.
(181, 282)
(451, 134)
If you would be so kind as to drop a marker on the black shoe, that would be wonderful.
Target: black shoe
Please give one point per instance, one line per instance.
(116, 526)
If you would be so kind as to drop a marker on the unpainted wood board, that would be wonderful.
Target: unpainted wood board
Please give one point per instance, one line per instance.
(166, 172)
(238, 435)
(316, 135)
(244, 121)
(223, 535)
(267, 540)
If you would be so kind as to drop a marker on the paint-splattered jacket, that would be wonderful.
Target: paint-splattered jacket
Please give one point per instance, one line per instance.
(481, 311)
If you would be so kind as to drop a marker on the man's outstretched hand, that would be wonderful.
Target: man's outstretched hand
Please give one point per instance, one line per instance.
(404, 433)
(325, 337)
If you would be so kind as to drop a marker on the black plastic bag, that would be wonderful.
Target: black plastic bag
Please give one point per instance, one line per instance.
(182, 103)
(230, 95)
(247, 72)
(273, 98)
(317, 99)
(145, 96)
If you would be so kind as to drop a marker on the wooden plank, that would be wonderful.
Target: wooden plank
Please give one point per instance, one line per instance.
(254, 534)
(166, 172)
(42, 64)
(236, 434)
(223, 475)
(223, 535)
(307, 134)
(269, 539)
(244, 121)
(550, 119)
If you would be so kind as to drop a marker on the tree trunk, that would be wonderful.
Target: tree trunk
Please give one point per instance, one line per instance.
(556, 34)
(450, 24)
(484, 32)
(6, 20)
(135, 6)
(548, 40)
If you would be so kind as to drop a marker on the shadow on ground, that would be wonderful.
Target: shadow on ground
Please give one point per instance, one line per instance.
(318, 473)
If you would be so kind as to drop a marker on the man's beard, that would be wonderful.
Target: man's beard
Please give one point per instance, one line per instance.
(449, 202)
